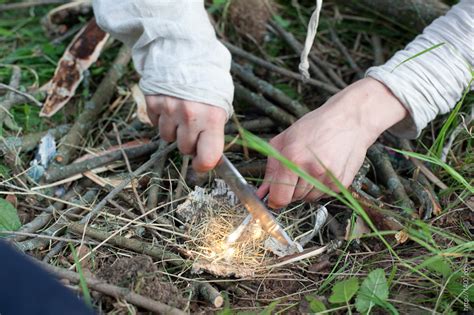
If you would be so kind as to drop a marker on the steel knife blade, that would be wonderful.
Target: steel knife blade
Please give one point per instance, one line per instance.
(249, 199)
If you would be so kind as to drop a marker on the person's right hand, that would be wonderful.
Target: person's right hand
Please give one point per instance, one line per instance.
(197, 127)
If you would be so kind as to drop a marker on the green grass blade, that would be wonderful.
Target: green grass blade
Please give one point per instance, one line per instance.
(418, 54)
(82, 281)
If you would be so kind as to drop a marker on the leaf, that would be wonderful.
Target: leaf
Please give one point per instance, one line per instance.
(315, 305)
(82, 280)
(270, 308)
(281, 21)
(4, 171)
(9, 220)
(373, 291)
(437, 264)
(418, 54)
(343, 291)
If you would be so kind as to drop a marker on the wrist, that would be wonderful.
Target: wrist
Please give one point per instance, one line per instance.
(377, 108)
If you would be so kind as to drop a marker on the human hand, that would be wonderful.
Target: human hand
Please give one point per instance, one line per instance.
(197, 127)
(335, 136)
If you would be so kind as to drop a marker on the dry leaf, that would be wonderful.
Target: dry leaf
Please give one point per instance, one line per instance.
(139, 98)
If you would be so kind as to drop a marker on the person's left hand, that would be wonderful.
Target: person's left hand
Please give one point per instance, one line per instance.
(335, 137)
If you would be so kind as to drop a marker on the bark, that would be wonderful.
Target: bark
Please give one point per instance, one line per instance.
(314, 62)
(277, 114)
(238, 52)
(154, 184)
(411, 14)
(94, 107)
(115, 291)
(154, 250)
(59, 226)
(209, 293)
(59, 172)
(30, 141)
(387, 175)
(270, 91)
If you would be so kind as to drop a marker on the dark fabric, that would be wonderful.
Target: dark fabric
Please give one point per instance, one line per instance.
(26, 289)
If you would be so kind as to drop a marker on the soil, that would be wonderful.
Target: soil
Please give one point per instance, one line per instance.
(140, 275)
(250, 17)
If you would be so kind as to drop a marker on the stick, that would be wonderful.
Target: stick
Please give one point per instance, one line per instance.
(379, 58)
(236, 51)
(259, 124)
(30, 141)
(25, 95)
(314, 61)
(59, 172)
(94, 107)
(115, 291)
(388, 176)
(293, 106)
(14, 83)
(58, 227)
(209, 293)
(153, 250)
(29, 4)
(277, 114)
(406, 145)
(154, 185)
(43, 218)
(145, 166)
(412, 15)
(343, 49)
(17, 99)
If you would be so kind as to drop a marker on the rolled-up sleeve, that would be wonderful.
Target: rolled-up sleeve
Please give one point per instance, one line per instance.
(432, 82)
(174, 48)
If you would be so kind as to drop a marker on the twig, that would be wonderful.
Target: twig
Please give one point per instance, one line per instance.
(293, 106)
(462, 126)
(17, 99)
(153, 250)
(277, 114)
(14, 83)
(59, 172)
(412, 15)
(129, 169)
(379, 58)
(209, 293)
(43, 218)
(26, 95)
(58, 227)
(154, 185)
(388, 176)
(115, 291)
(94, 107)
(314, 61)
(182, 174)
(343, 49)
(259, 124)
(29, 4)
(145, 166)
(406, 145)
(30, 141)
(236, 51)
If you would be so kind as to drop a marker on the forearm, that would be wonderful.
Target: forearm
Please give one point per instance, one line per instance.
(174, 47)
(434, 81)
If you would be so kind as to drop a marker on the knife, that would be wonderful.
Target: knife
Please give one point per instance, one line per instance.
(247, 196)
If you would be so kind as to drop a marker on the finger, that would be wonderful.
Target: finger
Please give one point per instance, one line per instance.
(187, 139)
(210, 145)
(167, 127)
(282, 187)
(271, 167)
(154, 104)
(301, 190)
(313, 195)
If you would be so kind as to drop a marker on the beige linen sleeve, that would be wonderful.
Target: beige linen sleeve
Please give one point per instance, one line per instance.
(174, 48)
(433, 82)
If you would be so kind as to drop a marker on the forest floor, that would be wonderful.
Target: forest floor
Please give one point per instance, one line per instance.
(93, 194)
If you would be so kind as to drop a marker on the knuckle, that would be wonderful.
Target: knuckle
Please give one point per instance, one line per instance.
(189, 114)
